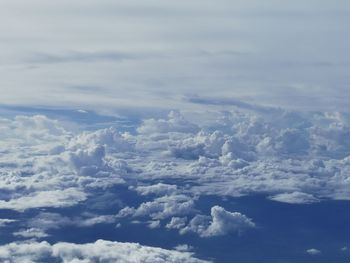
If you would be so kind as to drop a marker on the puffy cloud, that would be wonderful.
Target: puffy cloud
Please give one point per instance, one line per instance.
(109, 138)
(100, 251)
(55, 167)
(222, 222)
(293, 141)
(235, 153)
(88, 161)
(177, 223)
(295, 198)
(156, 189)
(289, 157)
(183, 247)
(154, 224)
(175, 123)
(161, 207)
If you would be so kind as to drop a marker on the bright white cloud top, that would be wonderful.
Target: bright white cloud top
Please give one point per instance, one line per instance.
(100, 251)
(170, 163)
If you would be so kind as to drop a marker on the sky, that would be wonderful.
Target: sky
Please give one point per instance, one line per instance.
(105, 54)
(174, 131)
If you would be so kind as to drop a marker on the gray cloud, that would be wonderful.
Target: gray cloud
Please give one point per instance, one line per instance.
(241, 50)
(78, 56)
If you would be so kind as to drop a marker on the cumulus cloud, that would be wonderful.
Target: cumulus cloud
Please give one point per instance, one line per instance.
(55, 167)
(220, 223)
(175, 123)
(109, 138)
(169, 163)
(88, 161)
(183, 247)
(156, 189)
(154, 224)
(233, 153)
(161, 207)
(177, 223)
(101, 251)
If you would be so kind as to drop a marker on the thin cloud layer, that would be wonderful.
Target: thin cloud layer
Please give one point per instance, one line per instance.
(146, 55)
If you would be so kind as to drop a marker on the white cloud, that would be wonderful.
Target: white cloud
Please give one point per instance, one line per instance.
(47, 164)
(175, 123)
(313, 251)
(156, 189)
(220, 223)
(46, 221)
(54, 198)
(183, 247)
(233, 153)
(177, 223)
(154, 224)
(161, 207)
(295, 198)
(101, 250)
(31, 233)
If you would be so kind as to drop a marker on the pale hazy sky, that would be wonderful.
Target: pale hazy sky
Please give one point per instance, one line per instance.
(85, 53)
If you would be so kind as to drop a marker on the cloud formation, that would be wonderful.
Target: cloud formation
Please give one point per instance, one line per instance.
(220, 223)
(100, 251)
(158, 174)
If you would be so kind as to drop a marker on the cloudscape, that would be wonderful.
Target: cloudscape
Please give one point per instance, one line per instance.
(186, 131)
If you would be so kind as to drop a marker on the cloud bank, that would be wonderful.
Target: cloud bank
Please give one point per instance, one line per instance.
(100, 251)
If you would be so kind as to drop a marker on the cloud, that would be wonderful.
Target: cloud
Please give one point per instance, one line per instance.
(228, 102)
(47, 220)
(175, 123)
(31, 233)
(55, 167)
(158, 173)
(183, 247)
(79, 56)
(313, 251)
(344, 249)
(161, 207)
(233, 153)
(154, 224)
(101, 250)
(185, 60)
(177, 223)
(4, 222)
(54, 198)
(156, 189)
(295, 198)
(221, 223)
